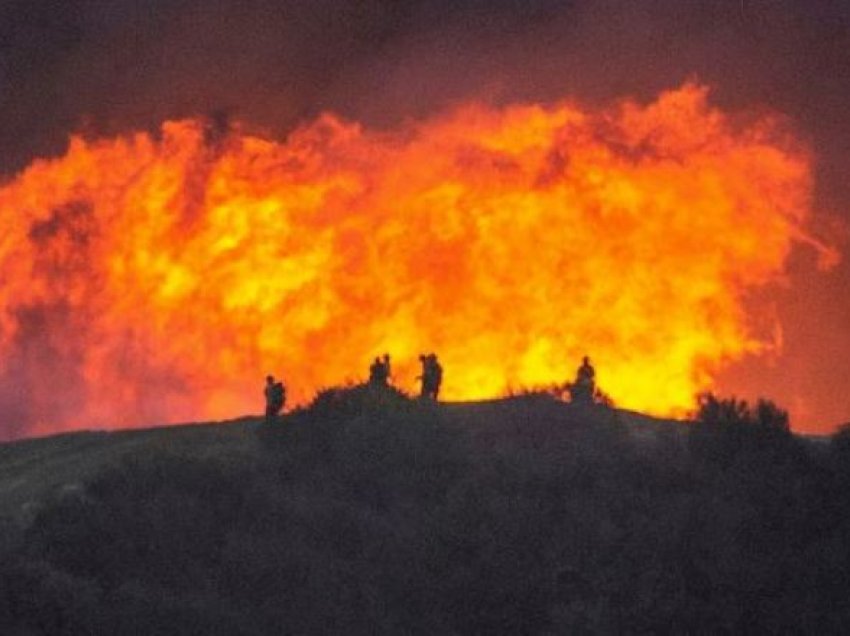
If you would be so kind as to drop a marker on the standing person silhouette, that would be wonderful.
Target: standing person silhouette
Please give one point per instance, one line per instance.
(375, 372)
(386, 372)
(379, 371)
(275, 394)
(425, 377)
(432, 376)
(436, 376)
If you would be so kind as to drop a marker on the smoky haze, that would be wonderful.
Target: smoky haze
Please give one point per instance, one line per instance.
(104, 67)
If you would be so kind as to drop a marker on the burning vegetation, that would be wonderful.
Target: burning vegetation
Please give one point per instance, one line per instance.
(157, 277)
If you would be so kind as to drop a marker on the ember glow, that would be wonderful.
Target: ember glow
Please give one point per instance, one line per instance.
(150, 278)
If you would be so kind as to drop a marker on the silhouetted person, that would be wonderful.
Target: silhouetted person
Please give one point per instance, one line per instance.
(375, 372)
(379, 371)
(436, 376)
(386, 373)
(432, 376)
(275, 394)
(586, 373)
(584, 387)
(423, 378)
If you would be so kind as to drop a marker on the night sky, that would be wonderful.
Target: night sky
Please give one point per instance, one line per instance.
(104, 67)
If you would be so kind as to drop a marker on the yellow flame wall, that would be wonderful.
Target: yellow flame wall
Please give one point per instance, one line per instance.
(161, 278)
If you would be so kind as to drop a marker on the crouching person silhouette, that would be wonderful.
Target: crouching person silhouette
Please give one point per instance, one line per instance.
(432, 376)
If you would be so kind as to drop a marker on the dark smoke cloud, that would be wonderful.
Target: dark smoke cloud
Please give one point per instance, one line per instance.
(105, 66)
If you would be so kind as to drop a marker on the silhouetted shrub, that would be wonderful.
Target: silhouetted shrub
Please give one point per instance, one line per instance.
(341, 404)
(765, 419)
(724, 430)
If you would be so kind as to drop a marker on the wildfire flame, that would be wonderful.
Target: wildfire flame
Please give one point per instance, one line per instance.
(149, 278)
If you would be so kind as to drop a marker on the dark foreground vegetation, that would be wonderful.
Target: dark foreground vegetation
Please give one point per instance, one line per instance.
(368, 513)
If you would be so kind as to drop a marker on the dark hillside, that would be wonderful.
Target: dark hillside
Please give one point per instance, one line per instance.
(371, 513)
(35, 468)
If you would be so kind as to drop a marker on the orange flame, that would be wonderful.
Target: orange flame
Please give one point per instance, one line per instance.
(161, 277)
